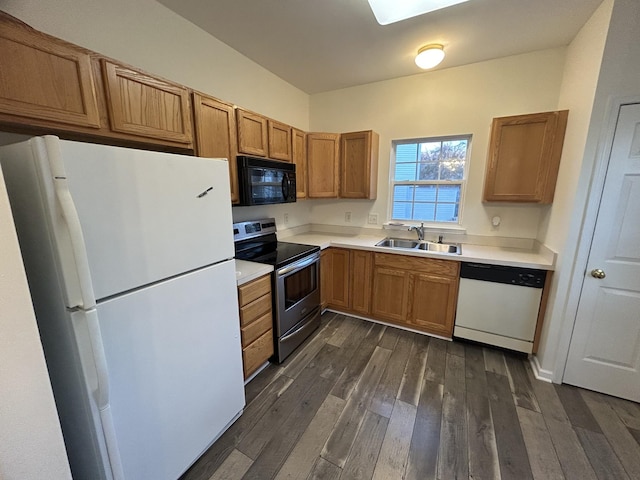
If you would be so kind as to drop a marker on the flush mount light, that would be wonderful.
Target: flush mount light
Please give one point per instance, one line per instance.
(429, 56)
(390, 11)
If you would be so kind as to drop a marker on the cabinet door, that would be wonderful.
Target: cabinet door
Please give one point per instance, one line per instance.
(390, 294)
(299, 153)
(524, 157)
(322, 165)
(146, 106)
(216, 134)
(359, 165)
(339, 278)
(361, 278)
(325, 278)
(432, 300)
(279, 141)
(43, 78)
(252, 133)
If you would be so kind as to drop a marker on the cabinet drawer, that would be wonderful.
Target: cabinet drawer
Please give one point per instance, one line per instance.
(255, 309)
(250, 291)
(416, 264)
(257, 328)
(257, 353)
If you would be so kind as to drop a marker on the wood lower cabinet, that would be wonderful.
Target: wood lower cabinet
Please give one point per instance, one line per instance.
(335, 279)
(252, 133)
(256, 323)
(524, 157)
(299, 157)
(146, 106)
(359, 165)
(216, 134)
(44, 79)
(323, 165)
(361, 277)
(345, 277)
(418, 293)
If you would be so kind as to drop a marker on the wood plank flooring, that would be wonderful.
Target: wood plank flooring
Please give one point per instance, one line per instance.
(363, 401)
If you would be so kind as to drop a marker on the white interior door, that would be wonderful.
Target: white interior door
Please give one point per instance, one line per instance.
(605, 347)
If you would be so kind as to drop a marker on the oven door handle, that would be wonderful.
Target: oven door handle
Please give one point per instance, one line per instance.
(297, 266)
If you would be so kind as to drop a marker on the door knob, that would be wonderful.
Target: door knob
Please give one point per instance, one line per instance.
(597, 273)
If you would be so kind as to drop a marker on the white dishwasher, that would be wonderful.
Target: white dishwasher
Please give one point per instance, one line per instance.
(498, 305)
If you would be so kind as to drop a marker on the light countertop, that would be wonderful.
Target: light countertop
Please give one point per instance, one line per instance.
(543, 259)
(247, 271)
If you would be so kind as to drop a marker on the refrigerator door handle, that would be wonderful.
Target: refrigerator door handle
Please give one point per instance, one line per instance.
(99, 359)
(70, 215)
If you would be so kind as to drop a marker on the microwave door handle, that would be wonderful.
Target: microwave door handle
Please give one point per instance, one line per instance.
(285, 186)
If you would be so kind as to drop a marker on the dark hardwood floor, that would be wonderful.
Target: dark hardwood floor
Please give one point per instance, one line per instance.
(360, 400)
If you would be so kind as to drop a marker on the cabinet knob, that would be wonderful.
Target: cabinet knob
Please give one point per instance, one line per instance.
(598, 273)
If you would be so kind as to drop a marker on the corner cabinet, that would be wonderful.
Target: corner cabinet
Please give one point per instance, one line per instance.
(417, 293)
(44, 81)
(216, 134)
(256, 323)
(323, 165)
(524, 157)
(359, 165)
(146, 106)
(299, 157)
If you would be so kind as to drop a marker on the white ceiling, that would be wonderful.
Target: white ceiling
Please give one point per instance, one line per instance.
(321, 45)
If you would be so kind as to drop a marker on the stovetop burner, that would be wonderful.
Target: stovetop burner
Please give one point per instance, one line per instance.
(257, 242)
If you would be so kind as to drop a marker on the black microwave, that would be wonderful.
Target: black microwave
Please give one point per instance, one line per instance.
(263, 181)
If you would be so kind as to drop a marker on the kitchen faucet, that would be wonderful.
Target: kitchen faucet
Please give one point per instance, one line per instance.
(419, 230)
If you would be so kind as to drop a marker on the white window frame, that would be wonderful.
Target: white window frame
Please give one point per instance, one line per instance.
(463, 182)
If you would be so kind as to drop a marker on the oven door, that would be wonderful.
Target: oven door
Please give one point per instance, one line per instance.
(297, 292)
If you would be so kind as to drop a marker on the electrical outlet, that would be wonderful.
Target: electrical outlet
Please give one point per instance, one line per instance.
(286, 218)
(347, 217)
(373, 219)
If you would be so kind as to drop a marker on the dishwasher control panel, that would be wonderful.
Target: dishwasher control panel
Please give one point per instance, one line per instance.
(524, 277)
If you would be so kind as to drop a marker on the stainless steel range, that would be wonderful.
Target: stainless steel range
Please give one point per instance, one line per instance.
(295, 281)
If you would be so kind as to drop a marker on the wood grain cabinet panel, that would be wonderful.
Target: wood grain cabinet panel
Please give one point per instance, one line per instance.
(145, 106)
(215, 123)
(44, 79)
(361, 271)
(256, 323)
(524, 157)
(432, 303)
(299, 157)
(390, 294)
(252, 133)
(325, 278)
(279, 136)
(359, 165)
(337, 278)
(323, 165)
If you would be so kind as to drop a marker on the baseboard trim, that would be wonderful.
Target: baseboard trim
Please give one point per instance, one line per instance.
(539, 373)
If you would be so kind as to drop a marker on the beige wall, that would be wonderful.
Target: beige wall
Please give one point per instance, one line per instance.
(31, 445)
(453, 101)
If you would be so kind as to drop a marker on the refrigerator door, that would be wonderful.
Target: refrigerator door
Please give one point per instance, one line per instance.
(144, 216)
(174, 365)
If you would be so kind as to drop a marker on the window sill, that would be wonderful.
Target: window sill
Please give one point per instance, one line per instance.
(428, 227)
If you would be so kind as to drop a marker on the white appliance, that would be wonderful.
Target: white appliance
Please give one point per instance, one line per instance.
(129, 257)
(498, 305)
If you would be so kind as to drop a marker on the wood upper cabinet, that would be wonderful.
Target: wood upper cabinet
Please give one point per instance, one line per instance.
(252, 133)
(418, 293)
(323, 165)
(215, 123)
(44, 79)
(280, 147)
(524, 157)
(146, 106)
(299, 157)
(359, 164)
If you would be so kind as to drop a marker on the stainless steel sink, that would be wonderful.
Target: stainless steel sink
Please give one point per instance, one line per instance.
(450, 248)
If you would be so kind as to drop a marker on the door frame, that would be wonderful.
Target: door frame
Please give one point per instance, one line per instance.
(587, 230)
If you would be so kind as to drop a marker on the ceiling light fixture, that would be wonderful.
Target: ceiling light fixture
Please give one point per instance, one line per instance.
(429, 56)
(390, 11)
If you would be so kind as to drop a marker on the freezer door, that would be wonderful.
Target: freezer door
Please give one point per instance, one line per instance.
(174, 364)
(144, 216)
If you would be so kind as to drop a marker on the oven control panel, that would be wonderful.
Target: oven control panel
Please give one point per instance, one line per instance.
(252, 229)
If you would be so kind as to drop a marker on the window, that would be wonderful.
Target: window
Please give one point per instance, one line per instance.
(428, 179)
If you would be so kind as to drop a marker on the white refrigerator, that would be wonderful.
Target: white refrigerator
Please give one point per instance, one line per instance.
(129, 257)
